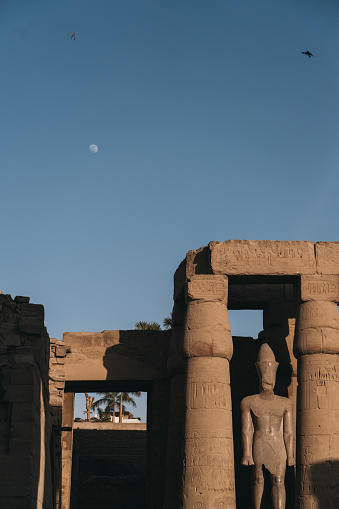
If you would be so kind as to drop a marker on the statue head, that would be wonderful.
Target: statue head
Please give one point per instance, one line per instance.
(267, 368)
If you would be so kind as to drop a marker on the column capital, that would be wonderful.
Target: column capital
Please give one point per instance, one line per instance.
(319, 287)
(207, 331)
(207, 288)
(317, 328)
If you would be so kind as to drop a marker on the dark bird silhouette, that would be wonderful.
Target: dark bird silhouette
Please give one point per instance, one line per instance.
(308, 53)
(73, 36)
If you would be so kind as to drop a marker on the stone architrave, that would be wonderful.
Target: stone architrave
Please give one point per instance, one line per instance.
(319, 287)
(208, 472)
(268, 257)
(327, 255)
(317, 349)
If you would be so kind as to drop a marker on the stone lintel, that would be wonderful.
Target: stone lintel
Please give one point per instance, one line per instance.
(319, 287)
(327, 257)
(116, 355)
(207, 288)
(257, 296)
(256, 258)
(266, 257)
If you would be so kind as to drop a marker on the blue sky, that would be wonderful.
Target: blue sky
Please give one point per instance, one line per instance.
(210, 125)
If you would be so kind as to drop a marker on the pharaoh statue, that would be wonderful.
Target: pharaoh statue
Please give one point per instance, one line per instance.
(267, 433)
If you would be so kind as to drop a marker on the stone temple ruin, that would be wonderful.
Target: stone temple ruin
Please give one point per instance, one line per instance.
(195, 376)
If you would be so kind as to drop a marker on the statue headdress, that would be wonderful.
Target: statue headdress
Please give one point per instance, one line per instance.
(266, 362)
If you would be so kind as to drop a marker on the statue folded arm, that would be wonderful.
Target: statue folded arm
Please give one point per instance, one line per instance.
(247, 433)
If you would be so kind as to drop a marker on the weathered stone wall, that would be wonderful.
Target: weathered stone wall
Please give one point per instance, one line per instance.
(25, 420)
(57, 378)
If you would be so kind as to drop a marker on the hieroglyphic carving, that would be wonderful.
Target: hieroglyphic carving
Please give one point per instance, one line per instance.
(262, 257)
(209, 462)
(320, 370)
(207, 287)
(322, 373)
(208, 395)
(320, 288)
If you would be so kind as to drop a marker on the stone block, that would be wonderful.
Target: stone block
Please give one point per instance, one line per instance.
(197, 262)
(32, 311)
(60, 351)
(21, 300)
(12, 340)
(19, 393)
(23, 447)
(318, 368)
(57, 374)
(18, 503)
(23, 411)
(24, 355)
(257, 296)
(31, 326)
(207, 288)
(16, 486)
(334, 449)
(313, 314)
(249, 257)
(206, 314)
(7, 328)
(317, 422)
(56, 401)
(19, 376)
(9, 465)
(57, 361)
(24, 430)
(327, 256)
(313, 341)
(205, 342)
(318, 287)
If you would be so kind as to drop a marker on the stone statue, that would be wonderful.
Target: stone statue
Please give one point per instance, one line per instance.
(267, 433)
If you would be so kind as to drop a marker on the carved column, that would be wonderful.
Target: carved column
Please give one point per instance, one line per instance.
(208, 474)
(317, 348)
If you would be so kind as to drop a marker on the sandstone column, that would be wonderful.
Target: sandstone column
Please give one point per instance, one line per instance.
(317, 348)
(208, 471)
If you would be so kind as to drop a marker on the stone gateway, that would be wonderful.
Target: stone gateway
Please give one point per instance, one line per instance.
(209, 415)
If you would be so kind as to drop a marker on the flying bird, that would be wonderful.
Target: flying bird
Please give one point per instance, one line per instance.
(308, 53)
(73, 36)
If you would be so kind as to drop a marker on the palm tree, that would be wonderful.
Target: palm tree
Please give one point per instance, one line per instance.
(103, 416)
(115, 400)
(167, 322)
(110, 400)
(126, 398)
(147, 326)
